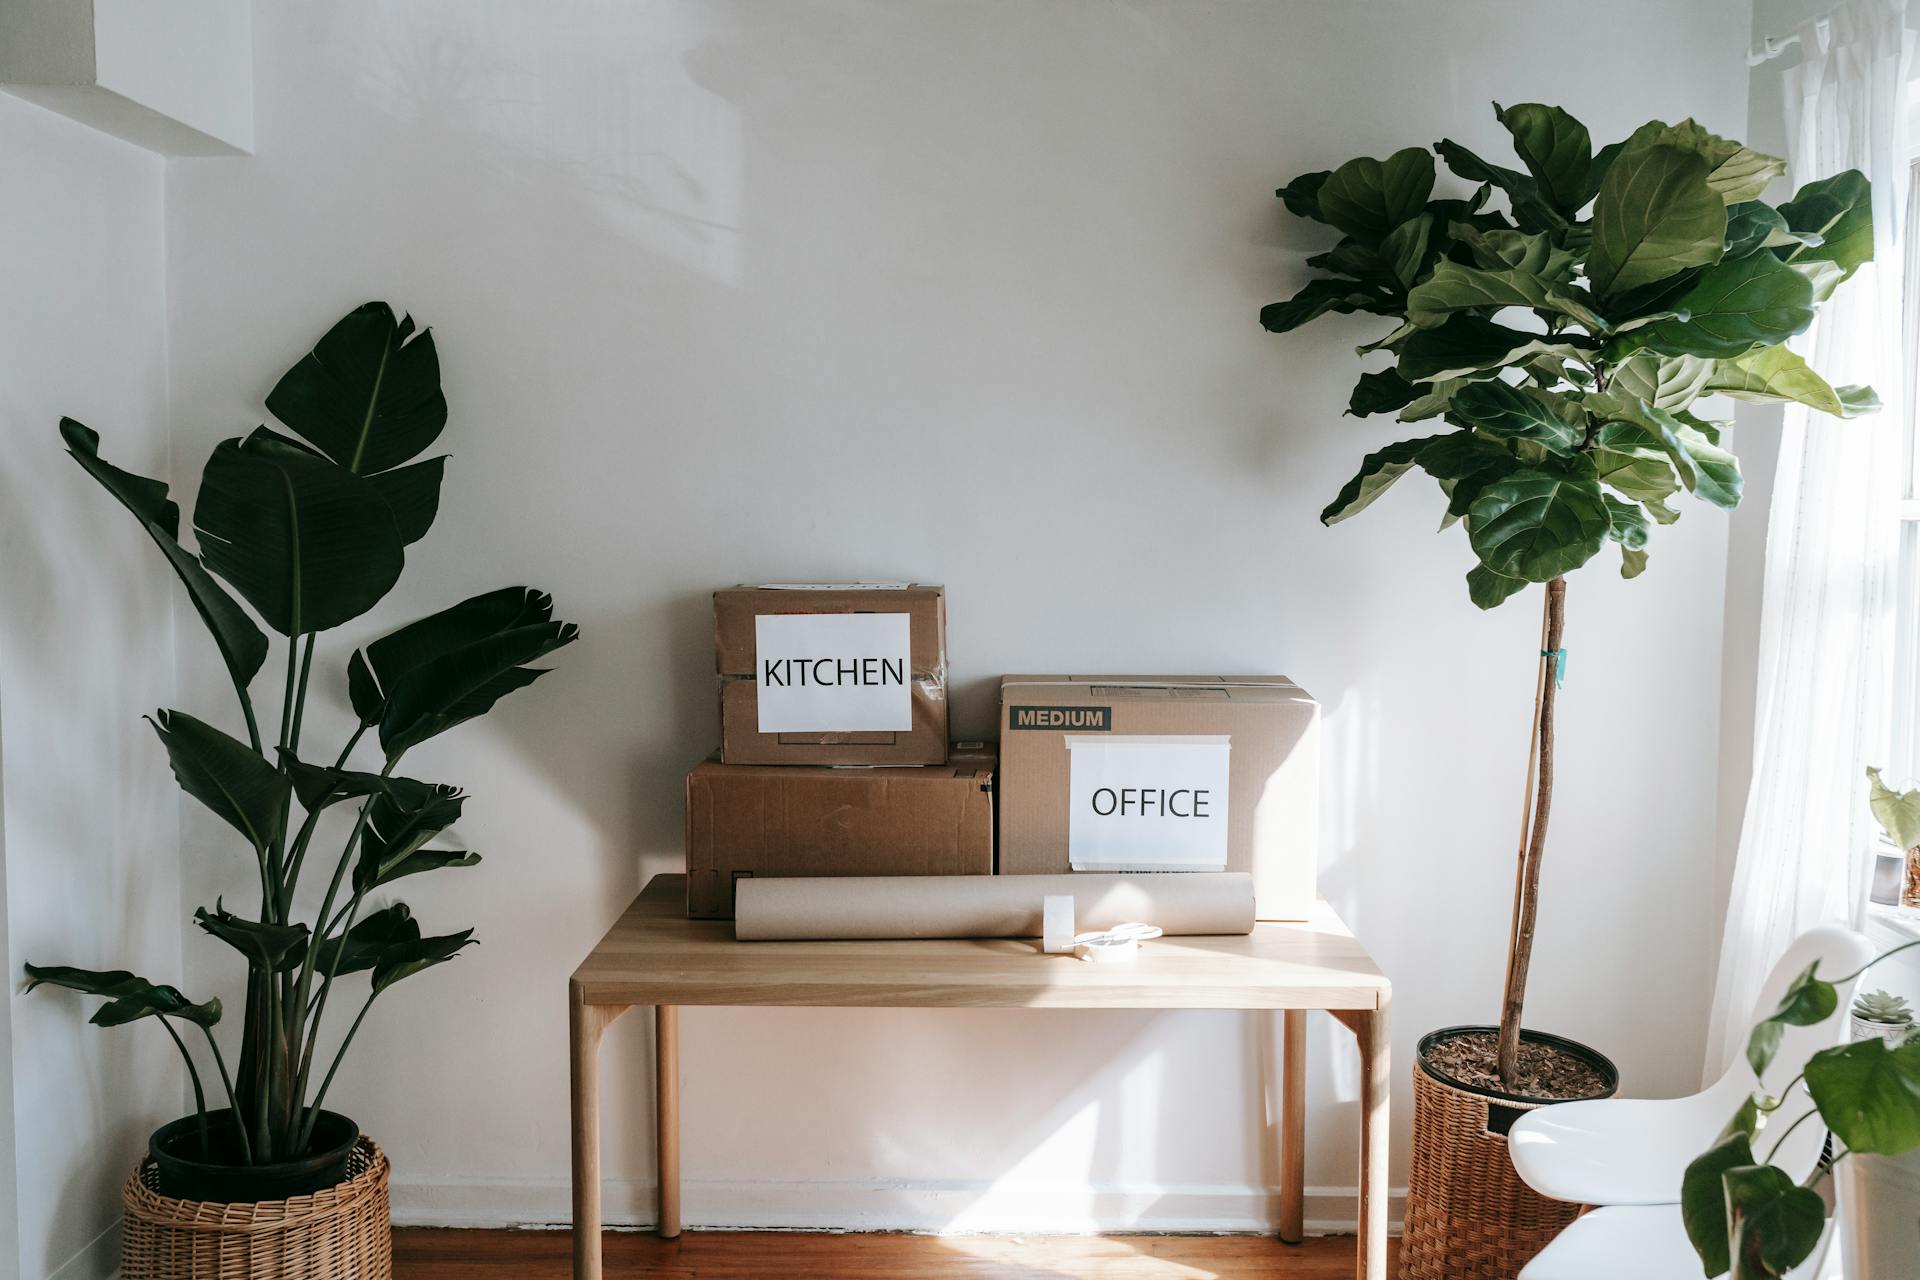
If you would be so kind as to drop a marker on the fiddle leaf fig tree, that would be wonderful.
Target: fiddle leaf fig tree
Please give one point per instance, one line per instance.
(310, 533)
(1556, 333)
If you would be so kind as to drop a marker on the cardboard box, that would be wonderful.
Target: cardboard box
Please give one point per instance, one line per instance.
(753, 820)
(1163, 773)
(832, 674)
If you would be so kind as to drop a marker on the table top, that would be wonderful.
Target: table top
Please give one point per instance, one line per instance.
(655, 955)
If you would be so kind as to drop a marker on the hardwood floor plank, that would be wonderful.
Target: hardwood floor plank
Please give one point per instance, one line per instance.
(439, 1254)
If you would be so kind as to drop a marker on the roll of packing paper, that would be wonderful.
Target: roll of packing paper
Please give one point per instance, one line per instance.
(834, 907)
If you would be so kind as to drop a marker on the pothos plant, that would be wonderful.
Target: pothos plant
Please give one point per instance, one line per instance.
(311, 533)
(1751, 1220)
(1555, 330)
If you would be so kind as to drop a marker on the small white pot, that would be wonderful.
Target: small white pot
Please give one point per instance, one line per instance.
(1893, 1033)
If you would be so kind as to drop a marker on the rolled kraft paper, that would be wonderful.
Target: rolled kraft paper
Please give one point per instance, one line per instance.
(841, 907)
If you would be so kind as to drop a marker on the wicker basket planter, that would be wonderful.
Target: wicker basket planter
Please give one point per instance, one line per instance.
(1469, 1217)
(341, 1233)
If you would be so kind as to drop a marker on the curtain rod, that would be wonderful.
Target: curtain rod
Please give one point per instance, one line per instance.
(1773, 46)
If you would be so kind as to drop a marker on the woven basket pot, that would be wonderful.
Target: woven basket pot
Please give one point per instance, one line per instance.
(341, 1233)
(1469, 1217)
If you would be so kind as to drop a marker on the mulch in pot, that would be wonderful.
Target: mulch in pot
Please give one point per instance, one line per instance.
(1547, 1073)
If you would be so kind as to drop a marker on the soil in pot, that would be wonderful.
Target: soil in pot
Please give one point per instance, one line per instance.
(217, 1172)
(1549, 1069)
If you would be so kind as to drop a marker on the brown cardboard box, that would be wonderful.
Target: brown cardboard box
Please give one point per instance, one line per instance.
(747, 820)
(917, 732)
(1156, 751)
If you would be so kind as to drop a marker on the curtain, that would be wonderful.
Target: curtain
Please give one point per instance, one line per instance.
(1827, 610)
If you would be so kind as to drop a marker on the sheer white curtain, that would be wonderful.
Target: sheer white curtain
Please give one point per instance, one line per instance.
(1827, 615)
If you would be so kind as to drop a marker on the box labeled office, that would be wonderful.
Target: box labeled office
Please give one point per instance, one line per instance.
(765, 820)
(850, 673)
(1163, 773)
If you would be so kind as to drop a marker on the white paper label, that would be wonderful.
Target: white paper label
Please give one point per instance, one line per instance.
(834, 672)
(1147, 802)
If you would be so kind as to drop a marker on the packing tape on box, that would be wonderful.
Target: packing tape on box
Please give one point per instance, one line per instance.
(1192, 902)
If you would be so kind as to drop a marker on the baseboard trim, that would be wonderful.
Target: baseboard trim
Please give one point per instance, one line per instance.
(97, 1259)
(972, 1207)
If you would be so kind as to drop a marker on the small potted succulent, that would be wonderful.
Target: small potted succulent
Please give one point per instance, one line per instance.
(1878, 1013)
(310, 532)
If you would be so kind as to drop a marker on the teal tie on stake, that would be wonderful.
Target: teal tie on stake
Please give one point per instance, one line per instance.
(1559, 657)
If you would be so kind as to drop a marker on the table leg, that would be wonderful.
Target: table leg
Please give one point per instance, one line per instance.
(1293, 1125)
(666, 1063)
(1376, 1091)
(585, 1023)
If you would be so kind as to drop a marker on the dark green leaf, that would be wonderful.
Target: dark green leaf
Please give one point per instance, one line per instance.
(1368, 198)
(1807, 1000)
(274, 946)
(1453, 288)
(318, 786)
(1753, 226)
(1531, 208)
(361, 946)
(1626, 523)
(225, 775)
(1536, 525)
(1470, 344)
(1556, 149)
(1839, 210)
(1319, 297)
(1703, 1200)
(1381, 393)
(1377, 473)
(1654, 216)
(405, 959)
(1707, 470)
(1406, 248)
(1532, 253)
(241, 644)
(1869, 1094)
(307, 543)
(1732, 309)
(1465, 463)
(399, 824)
(368, 394)
(1488, 589)
(129, 995)
(1774, 1223)
(412, 493)
(1501, 410)
(1302, 195)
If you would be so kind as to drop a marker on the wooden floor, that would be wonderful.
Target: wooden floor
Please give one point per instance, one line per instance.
(432, 1254)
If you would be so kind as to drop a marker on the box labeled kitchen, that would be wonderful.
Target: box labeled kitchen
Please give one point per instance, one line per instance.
(1163, 774)
(850, 673)
(782, 820)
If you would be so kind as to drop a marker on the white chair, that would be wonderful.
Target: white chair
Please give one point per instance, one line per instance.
(1629, 1155)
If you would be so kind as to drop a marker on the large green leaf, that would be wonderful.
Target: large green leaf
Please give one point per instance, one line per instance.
(1302, 195)
(1898, 812)
(1869, 1094)
(412, 493)
(1707, 470)
(1382, 392)
(404, 959)
(1469, 344)
(1378, 471)
(454, 665)
(129, 996)
(227, 776)
(361, 947)
(1774, 1223)
(1778, 373)
(1537, 525)
(1488, 589)
(1556, 149)
(1531, 252)
(1531, 208)
(277, 947)
(309, 544)
(1368, 198)
(1808, 1000)
(1502, 410)
(1626, 523)
(1839, 210)
(241, 644)
(1753, 226)
(399, 824)
(1319, 297)
(1454, 287)
(1732, 309)
(1408, 248)
(1655, 216)
(368, 394)
(1665, 382)
(1703, 1200)
(1465, 463)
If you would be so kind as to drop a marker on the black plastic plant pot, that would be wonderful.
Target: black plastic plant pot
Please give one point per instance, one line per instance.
(215, 1172)
(1572, 1048)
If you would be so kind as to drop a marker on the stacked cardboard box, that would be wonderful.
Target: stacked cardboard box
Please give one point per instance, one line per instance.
(833, 755)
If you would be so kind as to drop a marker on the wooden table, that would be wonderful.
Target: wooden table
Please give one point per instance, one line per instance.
(655, 956)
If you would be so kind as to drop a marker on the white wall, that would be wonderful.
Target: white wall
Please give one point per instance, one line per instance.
(91, 824)
(967, 292)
